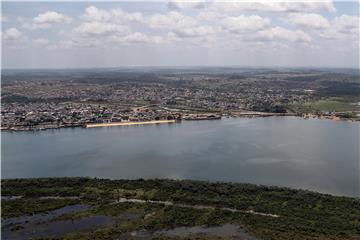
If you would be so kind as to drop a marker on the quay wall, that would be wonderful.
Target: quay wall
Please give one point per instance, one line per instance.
(93, 125)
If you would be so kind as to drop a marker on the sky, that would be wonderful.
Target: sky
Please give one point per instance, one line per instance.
(172, 33)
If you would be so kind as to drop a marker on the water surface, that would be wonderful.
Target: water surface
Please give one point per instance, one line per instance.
(45, 225)
(320, 155)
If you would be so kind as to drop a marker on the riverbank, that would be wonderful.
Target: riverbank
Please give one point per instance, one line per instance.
(155, 208)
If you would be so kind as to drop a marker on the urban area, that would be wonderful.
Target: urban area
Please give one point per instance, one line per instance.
(39, 99)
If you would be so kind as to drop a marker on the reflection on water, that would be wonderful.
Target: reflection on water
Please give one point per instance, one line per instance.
(41, 225)
(320, 155)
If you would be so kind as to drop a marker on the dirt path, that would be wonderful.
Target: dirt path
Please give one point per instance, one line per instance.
(168, 203)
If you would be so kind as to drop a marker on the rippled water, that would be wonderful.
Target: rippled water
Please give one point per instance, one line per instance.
(320, 155)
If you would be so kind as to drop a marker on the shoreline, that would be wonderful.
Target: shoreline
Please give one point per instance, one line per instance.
(270, 187)
(233, 115)
(94, 125)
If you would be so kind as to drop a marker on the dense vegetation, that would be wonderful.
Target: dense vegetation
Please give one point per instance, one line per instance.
(303, 214)
(18, 207)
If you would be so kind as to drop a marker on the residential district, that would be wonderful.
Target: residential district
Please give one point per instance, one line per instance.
(36, 100)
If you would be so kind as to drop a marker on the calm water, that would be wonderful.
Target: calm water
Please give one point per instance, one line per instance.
(320, 155)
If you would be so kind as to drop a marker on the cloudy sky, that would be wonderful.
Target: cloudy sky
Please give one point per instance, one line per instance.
(198, 33)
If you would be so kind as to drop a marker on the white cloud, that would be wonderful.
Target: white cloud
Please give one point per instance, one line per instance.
(169, 20)
(179, 24)
(274, 6)
(181, 5)
(347, 24)
(41, 41)
(197, 31)
(111, 24)
(12, 34)
(210, 15)
(243, 23)
(101, 28)
(282, 34)
(341, 28)
(138, 37)
(187, 27)
(45, 20)
(309, 20)
(50, 17)
(92, 13)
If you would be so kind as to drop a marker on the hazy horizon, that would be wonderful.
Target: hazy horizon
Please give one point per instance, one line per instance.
(190, 67)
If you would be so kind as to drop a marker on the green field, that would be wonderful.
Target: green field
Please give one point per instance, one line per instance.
(328, 105)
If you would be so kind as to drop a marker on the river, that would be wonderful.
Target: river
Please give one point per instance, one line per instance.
(319, 155)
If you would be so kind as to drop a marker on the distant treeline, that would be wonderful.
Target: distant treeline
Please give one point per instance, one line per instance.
(24, 99)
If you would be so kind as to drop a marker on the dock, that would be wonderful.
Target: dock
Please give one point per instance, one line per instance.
(94, 125)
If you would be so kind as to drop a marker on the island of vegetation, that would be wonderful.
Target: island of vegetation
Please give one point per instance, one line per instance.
(87, 208)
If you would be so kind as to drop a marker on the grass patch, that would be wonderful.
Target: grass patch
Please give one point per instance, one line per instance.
(27, 206)
(328, 105)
